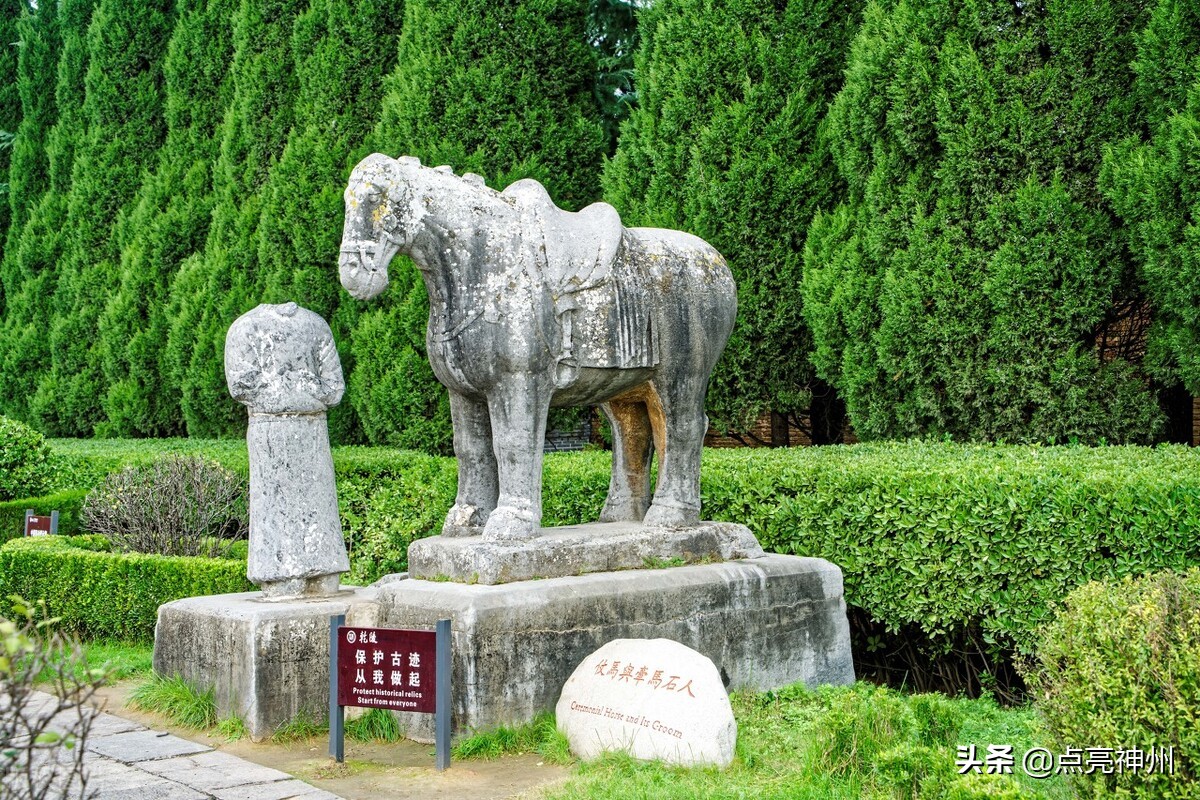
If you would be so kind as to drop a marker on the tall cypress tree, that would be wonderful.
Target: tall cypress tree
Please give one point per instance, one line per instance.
(29, 171)
(505, 90)
(1153, 180)
(168, 222)
(725, 143)
(963, 286)
(11, 12)
(212, 289)
(342, 50)
(123, 113)
(27, 392)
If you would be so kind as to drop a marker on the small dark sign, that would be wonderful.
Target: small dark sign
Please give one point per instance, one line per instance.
(40, 525)
(387, 668)
(393, 669)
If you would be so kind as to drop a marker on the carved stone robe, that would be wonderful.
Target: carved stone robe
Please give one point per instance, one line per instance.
(280, 361)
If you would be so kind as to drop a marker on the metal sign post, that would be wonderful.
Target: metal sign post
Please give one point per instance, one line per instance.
(441, 719)
(337, 712)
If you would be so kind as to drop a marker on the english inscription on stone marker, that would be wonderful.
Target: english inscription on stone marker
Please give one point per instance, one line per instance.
(652, 698)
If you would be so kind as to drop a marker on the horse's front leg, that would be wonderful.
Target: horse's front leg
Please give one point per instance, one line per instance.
(518, 405)
(477, 482)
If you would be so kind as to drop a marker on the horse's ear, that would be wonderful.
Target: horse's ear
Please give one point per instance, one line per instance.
(409, 161)
(372, 163)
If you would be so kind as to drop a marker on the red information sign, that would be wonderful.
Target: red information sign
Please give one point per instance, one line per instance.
(40, 525)
(387, 668)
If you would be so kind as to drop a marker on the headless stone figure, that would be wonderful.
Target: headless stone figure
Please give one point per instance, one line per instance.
(281, 363)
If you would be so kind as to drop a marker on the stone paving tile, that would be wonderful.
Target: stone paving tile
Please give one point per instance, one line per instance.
(111, 780)
(109, 724)
(145, 745)
(281, 790)
(126, 761)
(213, 770)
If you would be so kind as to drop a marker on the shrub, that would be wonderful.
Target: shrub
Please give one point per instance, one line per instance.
(179, 506)
(100, 594)
(25, 465)
(1119, 667)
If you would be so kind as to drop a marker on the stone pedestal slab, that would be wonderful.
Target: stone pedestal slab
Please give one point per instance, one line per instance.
(765, 623)
(577, 550)
(267, 661)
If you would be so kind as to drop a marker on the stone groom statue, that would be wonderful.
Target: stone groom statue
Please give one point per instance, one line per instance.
(280, 361)
(533, 307)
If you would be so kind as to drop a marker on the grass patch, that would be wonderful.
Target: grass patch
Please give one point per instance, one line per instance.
(376, 725)
(115, 659)
(838, 744)
(539, 736)
(301, 727)
(653, 562)
(177, 700)
(233, 728)
(119, 660)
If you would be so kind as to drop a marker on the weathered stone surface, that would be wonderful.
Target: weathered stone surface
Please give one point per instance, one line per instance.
(123, 760)
(143, 745)
(765, 623)
(577, 550)
(211, 770)
(280, 361)
(654, 699)
(533, 307)
(266, 661)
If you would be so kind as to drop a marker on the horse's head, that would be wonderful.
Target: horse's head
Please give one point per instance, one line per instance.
(374, 231)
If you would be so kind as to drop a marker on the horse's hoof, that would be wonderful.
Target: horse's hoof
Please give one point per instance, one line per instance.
(508, 525)
(623, 512)
(464, 520)
(660, 516)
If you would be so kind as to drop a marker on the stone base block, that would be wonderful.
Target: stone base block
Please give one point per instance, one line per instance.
(577, 550)
(267, 661)
(765, 622)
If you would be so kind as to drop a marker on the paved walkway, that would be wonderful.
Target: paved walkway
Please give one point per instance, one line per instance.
(127, 761)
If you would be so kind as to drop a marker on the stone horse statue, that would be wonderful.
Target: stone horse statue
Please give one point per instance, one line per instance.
(532, 307)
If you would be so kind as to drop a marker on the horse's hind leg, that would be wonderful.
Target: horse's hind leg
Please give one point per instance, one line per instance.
(629, 488)
(677, 495)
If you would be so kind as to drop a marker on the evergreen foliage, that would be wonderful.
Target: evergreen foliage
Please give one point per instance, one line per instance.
(501, 89)
(613, 31)
(122, 111)
(28, 175)
(216, 286)
(342, 50)
(963, 286)
(11, 12)
(167, 223)
(726, 144)
(27, 393)
(1153, 182)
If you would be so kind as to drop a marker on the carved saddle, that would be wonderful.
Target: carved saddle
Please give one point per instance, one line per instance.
(591, 282)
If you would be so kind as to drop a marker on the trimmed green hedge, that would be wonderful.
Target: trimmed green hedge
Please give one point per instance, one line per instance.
(108, 594)
(67, 503)
(956, 548)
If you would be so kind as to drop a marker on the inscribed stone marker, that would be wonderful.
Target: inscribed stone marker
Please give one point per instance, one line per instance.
(654, 699)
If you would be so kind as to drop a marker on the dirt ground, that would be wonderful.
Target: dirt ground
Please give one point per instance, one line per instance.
(399, 770)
